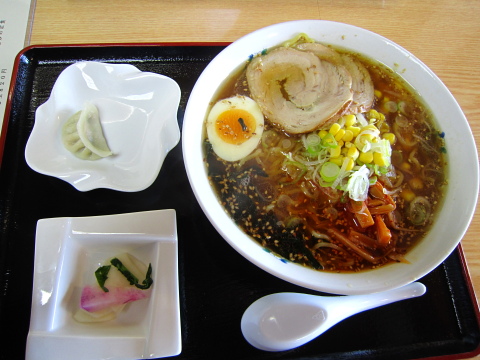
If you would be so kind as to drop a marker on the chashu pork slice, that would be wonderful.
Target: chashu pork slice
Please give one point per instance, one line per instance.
(362, 84)
(298, 91)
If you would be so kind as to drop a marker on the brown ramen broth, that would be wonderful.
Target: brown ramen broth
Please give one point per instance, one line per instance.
(276, 195)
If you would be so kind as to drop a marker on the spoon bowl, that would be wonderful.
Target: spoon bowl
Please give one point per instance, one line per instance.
(284, 321)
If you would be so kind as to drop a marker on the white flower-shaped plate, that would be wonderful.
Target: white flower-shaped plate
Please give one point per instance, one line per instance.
(67, 251)
(138, 113)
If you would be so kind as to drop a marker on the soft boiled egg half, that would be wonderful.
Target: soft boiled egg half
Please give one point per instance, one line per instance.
(234, 127)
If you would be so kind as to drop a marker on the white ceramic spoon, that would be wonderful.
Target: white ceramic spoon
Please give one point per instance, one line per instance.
(284, 321)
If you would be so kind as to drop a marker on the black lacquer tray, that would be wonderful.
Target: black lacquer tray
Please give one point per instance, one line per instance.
(216, 283)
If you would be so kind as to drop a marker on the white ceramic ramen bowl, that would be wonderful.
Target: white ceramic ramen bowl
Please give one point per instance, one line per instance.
(460, 198)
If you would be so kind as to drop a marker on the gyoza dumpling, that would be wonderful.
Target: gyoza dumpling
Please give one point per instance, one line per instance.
(72, 141)
(82, 135)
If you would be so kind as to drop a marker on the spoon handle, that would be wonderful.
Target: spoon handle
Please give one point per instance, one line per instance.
(358, 303)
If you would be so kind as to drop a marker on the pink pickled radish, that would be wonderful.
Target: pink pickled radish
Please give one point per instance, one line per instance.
(93, 298)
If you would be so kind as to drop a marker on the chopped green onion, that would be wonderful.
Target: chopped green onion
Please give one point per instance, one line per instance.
(324, 184)
(342, 174)
(329, 141)
(391, 106)
(329, 171)
(401, 120)
(313, 142)
(402, 107)
(378, 170)
(313, 139)
(383, 147)
(419, 211)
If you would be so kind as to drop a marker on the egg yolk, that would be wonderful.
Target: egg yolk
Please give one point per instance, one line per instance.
(235, 126)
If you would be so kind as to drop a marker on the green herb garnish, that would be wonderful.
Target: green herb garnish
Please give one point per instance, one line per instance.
(148, 279)
(102, 275)
(132, 279)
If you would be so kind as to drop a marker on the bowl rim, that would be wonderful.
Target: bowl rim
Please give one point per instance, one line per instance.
(410, 68)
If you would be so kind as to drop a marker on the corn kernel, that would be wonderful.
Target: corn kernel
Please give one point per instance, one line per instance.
(405, 166)
(378, 94)
(348, 136)
(353, 152)
(349, 163)
(322, 133)
(379, 159)
(390, 137)
(407, 195)
(381, 116)
(340, 143)
(384, 127)
(373, 114)
(348, 144)
(334, 129)
(335, 152)
(337, 160)
(416, 183)
(354, 129)
(350, 120)
(339, 134)
(366, 157)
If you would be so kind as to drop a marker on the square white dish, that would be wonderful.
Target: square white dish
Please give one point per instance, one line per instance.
(67, 249)
(138, 115)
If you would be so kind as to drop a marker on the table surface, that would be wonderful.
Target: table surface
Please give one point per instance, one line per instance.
(444, 34)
